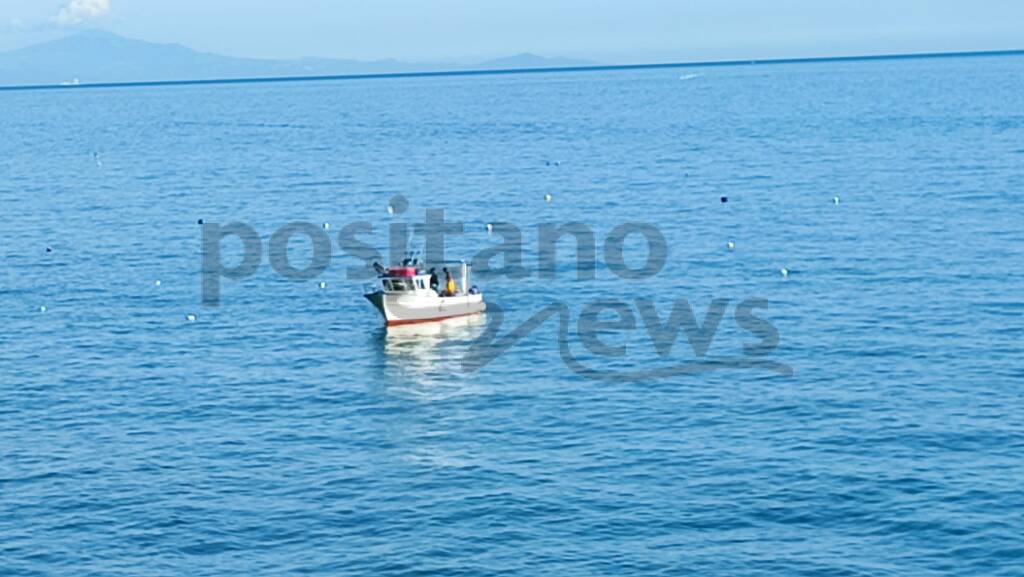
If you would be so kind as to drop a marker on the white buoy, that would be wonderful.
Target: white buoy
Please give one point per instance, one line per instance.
(42, 309)
(323, 285)
(835, 200)
(490, 228)
(547, 198)
(327, 226)
(190, 318)
(731, 245)
(785, 272)
(157, 283)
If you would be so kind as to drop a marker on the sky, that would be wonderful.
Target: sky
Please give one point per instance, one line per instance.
(613, 32)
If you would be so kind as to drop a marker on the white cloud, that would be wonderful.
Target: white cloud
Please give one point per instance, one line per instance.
(78, 11)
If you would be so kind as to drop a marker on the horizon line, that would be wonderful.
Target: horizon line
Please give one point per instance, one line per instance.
(500, 71)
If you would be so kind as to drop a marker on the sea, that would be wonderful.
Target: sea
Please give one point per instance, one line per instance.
(833, 384)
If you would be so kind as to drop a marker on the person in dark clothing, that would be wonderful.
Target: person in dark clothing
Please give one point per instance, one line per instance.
(435, 283)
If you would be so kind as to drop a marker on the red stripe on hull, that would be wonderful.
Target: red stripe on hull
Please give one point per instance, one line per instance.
(430, 320)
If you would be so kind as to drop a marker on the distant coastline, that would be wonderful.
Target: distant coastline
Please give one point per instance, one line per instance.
(500, 71)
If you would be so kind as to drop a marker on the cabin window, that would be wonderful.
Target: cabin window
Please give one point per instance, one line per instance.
(401, 284)
(387, 285)
(419, 283)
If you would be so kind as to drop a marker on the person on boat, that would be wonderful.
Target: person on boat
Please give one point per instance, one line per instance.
(435, 283)
(449, 283)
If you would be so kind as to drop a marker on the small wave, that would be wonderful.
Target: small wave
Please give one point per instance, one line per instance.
(690, 76)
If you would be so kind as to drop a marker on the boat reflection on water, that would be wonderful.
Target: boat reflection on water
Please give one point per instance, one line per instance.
(423, 359)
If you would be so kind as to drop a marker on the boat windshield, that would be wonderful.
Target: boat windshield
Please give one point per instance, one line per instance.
(398, 285)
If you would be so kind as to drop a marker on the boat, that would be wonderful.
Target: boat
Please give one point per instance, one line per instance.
(403, 294)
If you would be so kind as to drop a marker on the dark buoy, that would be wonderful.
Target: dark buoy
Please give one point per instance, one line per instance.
(725, 199)
(49, 249)
(200, 221)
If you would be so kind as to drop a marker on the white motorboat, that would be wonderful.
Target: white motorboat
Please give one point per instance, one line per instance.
(406, 294)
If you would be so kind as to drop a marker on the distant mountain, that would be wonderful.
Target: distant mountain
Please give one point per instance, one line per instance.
(527, 60)
(98, 56)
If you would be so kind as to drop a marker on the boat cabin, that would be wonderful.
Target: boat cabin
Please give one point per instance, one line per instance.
(415, 284)
(408, 280)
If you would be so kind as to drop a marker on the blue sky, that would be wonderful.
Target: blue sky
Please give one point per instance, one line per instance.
(467, 30)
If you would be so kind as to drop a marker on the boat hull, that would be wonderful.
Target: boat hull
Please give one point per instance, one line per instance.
(411, 309)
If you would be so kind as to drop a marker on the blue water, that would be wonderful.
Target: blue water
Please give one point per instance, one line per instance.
(285, 432)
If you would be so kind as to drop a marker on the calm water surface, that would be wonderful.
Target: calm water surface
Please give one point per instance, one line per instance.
(285, 432)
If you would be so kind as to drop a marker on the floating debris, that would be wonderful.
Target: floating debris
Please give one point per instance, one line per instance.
(42, 309)
(548, 198)
(200, 221)
(398, 205)
(490, 228)
(157, 283)
(323, 285)
(190, 318)
(49, 249)
(327, 226)
(785, 272)
(725, 199)
(731, 245)
(835, 200)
